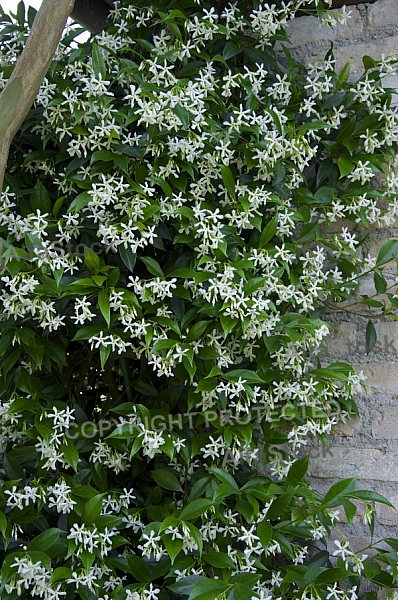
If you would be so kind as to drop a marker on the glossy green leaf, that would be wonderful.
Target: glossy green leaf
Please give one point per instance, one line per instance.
(228, 180)
(194, 509)
(371, 336)
(167, 480)
(104, 306)
(92, 509)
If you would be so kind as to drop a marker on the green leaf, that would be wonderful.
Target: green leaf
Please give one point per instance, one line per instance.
(197, 330)
(167, 480)
(184, 586)
(128, 257)
(269, 231)
(183, 114)
(380, 282)
(173, 547)
(231, 49)
(368, 62)
(138, 569)
(194, 509)
(12, 467)
(98, 61)
(297, 471)
(71, 454)
(344, 74)
(264, 532)
(105, 352)
(224, 490)
(152, 265)
(228, 180)
(245, 374)
(387, 252)
(332, 575)
(369, 496)
(325, 169)
(371, 336)
(209, 589)
(3, 524)
(104, 306)
(219, 560)
(91, 260)
(40, 199)
(60, 573)
(92, 509)
(228, 324)
(245, 509)
(350, 510)
(86, 332)
(279, 505)
(309, 232)
(346, 166)
(80, 202)
(45, 539)
(337, 491)
(225, 477)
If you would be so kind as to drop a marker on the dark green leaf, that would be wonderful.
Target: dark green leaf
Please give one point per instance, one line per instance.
(91, 260)
(104, 306)
(269, 231)
(45, 539)
(371, 336)
(98, 61)
(387, 252)
(220, 560)
(380, 282)
(339, 489)
(231, 49)
(194, 509)
(346, 165)
(92, 509)
(40, 199)
(209, 589)
(297, 471)
(167, 480)
(152, 265)
(228, 180)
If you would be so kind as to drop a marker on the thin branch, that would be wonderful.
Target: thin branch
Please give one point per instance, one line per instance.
(21, 90)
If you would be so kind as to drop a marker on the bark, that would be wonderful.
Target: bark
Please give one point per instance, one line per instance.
(20, 92)
(92, 14)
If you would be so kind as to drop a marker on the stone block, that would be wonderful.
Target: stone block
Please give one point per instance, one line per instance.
(353, 53)
(385, 424)
(364, 463)
(387, 337)
(385, 514)
(351, 427)
(342, 339)
(308, 30)
(382, 13)
(380, 378)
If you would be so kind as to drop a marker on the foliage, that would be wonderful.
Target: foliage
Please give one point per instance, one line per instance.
(167, 260)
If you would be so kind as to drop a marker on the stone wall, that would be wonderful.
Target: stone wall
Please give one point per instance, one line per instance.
(366, 447)
(372, 30)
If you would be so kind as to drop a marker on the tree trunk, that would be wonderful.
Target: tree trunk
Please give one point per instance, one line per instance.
(21, 89)
(92, 14)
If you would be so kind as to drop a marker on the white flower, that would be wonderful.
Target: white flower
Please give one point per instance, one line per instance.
(343, 549)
